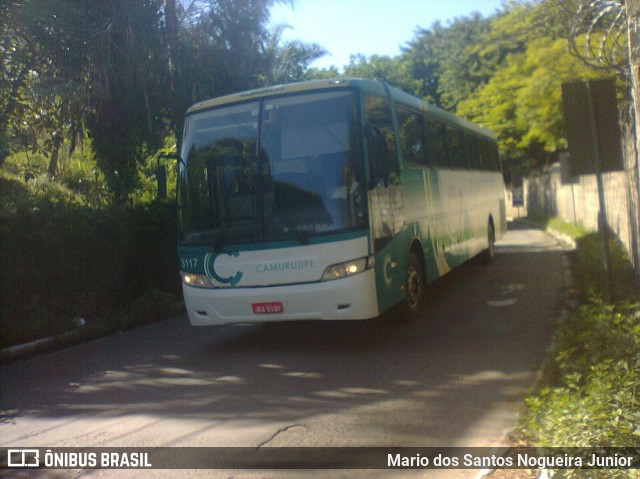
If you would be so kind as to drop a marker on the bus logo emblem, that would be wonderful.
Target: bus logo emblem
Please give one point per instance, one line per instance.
(210, 269)
(23, 458)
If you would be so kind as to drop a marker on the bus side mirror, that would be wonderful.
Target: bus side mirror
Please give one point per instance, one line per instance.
(378, 155)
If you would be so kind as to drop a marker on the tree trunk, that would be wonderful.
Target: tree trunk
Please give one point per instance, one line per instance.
(55, 154)
(633, 165)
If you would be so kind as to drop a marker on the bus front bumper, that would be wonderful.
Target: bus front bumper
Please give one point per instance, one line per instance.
(352, 297)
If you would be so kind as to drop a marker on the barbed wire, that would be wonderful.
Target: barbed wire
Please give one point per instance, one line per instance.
(598, 35)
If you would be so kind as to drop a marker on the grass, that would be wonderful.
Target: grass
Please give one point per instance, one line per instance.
(590, 388)
(573, 230)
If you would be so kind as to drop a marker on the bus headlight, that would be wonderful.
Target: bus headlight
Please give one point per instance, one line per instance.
(196, 280)
(348, 268)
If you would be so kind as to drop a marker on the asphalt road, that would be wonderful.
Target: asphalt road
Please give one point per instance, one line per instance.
(455, 378)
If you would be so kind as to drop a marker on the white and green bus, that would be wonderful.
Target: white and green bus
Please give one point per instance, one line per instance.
(329, 200)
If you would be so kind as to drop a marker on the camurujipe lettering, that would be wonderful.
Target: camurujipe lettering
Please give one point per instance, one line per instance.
(285, 266)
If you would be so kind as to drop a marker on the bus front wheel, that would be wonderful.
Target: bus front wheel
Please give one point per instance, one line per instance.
(415, 288)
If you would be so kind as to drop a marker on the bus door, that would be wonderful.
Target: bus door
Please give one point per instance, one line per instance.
(385, 200)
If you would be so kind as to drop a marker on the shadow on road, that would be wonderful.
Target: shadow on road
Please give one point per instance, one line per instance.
(478, 345)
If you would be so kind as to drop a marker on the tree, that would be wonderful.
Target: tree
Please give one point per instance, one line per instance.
(127, 74)
(224, 46)
(423, 63)
(452, 62)
(395, 71)
(127, 70)
(287, 61)
(522, 101)
(40, 53)
(17, 59)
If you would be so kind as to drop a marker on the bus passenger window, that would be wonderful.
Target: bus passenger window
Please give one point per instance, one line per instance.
(436, 144)
(456, 147)
(471, 151)
(484, 154)
(410, 131)
(494, 157)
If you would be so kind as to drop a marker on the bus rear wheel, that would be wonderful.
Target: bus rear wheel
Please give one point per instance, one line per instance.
(415, 284)
(489, 255)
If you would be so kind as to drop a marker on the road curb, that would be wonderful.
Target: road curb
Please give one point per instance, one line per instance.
(63, 341)
(39, 345)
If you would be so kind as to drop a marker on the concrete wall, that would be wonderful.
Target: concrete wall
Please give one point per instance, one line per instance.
(578, 202)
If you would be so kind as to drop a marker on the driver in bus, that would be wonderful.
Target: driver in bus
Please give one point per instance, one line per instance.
(351, 193)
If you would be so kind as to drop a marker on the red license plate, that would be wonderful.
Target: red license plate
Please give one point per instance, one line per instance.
(267, 308)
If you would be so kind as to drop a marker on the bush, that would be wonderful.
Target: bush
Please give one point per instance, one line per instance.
(589, 394)
(590, 272)
(593, 401)
(64, 260)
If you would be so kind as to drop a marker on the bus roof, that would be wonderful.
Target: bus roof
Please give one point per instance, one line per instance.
(369, 85)
(268, 91)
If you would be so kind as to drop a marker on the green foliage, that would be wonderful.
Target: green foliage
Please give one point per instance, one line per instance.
(522, 102)
(82, 176)
(463, 66)
(321, 74)
(223, 46)
(125, 71)
(287, 62)
(594, 400)
(590, 273)
(590, 393)
(62, 260)
(590, 266)
(42, 75)
(391, 70)
(66, 253)
(573, 230)
(446, 62)
(78, 180)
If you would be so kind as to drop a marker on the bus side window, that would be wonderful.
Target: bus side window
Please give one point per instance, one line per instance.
(471, 151)
(436, 144)
(488, 155)
(380, 138)
(494, 156)
(411, 134)
(456, 147)
(484, 154)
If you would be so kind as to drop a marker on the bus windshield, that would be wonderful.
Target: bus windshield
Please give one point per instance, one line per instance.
(273, 169)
